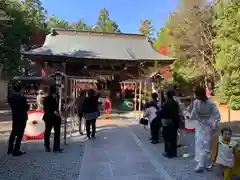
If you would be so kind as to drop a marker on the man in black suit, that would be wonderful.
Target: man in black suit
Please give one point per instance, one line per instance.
(52, 119)
(20, 107)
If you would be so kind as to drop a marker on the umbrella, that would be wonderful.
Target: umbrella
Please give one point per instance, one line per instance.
(35, 126)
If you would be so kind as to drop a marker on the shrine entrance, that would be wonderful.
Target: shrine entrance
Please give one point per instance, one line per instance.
(105, 58)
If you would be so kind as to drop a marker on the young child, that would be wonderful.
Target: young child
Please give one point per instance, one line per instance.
(226, 153)
(107, 108)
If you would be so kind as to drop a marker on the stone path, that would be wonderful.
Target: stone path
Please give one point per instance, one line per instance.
(178, 168)
(116, 155)
(39, 165)
(121, 151)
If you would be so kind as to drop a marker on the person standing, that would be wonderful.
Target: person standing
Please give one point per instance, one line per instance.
(39, 99)
(91, 112)
(19, 107)
(152, 114)
(208, 117)
(170, 119)
(79, 105)
(52, 119)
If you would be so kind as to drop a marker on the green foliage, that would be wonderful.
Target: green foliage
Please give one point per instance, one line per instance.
(188, 35)
(80, 26)
(105, 23)
(21, 18)
(162, 39)
(227, 45)
(54, 22)
(146, 28)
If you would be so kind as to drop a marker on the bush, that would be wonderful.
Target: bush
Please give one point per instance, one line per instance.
(235, 102)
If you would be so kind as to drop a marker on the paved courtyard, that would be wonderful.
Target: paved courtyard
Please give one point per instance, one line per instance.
(121, 151)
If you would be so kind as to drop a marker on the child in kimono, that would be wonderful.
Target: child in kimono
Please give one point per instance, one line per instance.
(226, 153)
(108, 108)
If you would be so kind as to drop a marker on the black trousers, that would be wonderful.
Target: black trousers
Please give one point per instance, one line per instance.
(16, 135)
(80, 116)
(155, 127)
(170, 140)
(56, 125)
(93, 124)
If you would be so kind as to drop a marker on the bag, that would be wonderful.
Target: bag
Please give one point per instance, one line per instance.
(143, 121)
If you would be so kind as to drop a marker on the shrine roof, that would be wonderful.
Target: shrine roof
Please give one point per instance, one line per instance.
(95, 45)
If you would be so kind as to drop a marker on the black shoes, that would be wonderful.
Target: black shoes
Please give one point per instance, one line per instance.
(54, 150)
(18, 153)
(155, 142)
(58, 150)
(169, 156)
(47, 149)
(91, 137)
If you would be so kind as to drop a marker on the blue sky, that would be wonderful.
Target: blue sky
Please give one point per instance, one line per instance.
(127, 13)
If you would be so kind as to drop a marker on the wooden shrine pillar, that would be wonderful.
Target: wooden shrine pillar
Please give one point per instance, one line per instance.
(45, 68)
(140, 96)
(135, 96)
(65, 99)
(145, 90)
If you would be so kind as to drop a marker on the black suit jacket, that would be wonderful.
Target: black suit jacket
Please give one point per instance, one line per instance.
(50, 106)
(171, 110)
(19, 107)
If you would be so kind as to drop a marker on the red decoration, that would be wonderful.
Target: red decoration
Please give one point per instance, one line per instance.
(163, 50)
(44, 74)
(165, 71)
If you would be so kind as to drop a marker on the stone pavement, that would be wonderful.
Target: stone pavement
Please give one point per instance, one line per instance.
(121, 151)
(39, 165)
(115, 155)
(178, 168)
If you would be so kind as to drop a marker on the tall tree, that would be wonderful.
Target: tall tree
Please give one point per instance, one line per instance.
(17, 31)
(146, 28)
(35, 13)
(228, 53)
(105, 23)
(54, 22)
(161, 43)
(80, 25)
(188, 31)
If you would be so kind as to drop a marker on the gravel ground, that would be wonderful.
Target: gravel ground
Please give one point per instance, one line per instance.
(39, 165)
(178, 168)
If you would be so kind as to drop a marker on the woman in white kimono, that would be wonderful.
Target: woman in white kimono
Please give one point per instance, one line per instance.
(208, 118)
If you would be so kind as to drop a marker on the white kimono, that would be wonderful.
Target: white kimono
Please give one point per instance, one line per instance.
(208, 120)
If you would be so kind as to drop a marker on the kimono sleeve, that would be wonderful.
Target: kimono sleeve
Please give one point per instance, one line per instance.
(194, 113)
(146, 113)
(215, 116)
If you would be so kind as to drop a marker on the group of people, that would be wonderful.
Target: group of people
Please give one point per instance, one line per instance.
(88, 106)
(166, 117)
(20, 107)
